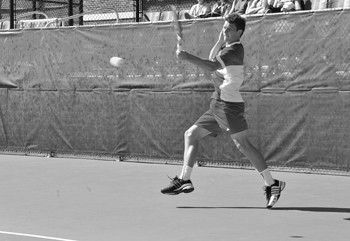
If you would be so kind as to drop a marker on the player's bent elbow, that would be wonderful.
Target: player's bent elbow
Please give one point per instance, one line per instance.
(210, 67)
(188, 134)
(213, 66)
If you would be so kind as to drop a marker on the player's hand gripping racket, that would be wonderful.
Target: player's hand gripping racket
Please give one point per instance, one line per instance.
(177, 27)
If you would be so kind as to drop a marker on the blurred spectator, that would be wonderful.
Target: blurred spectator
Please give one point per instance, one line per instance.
(255, 6)
(201, 8)
(276, 6)
(272, 6)
(239, 6)
(220, 8)
(298, 5)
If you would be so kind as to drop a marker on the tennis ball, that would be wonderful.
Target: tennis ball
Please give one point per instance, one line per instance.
(116, 61)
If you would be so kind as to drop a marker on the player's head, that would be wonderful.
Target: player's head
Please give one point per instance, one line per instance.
(234, 27)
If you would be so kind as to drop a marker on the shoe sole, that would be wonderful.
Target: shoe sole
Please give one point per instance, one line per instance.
(283, 185)
(183, 189)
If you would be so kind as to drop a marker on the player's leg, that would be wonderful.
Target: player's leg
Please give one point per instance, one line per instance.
(231, 118)
(246, 147)
(204, 126)
(192, 138)
(273, 188)
(183, 183)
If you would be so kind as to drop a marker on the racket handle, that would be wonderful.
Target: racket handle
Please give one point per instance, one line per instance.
(179, 47)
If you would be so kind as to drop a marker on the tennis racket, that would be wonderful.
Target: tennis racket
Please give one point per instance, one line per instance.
(177, 28)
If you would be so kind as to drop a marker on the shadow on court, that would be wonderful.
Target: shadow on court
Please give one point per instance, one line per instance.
(315, 209)
(307, 209)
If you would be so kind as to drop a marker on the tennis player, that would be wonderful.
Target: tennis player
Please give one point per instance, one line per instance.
(226, 112)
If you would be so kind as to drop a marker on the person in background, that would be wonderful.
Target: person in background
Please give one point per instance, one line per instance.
(255, 7)
(277, 6)
(272, 6)
(201, 8)
(220, 8)
(239, 6)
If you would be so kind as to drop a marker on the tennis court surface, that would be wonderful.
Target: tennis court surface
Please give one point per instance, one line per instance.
(88, 200)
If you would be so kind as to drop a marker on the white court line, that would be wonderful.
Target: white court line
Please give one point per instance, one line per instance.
(35, 236)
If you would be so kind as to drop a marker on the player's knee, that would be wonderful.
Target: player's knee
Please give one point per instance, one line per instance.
(191, 135)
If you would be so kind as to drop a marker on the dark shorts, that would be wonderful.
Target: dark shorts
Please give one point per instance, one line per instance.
(227, 117)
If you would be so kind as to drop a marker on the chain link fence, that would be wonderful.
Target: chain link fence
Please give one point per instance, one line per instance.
(97, 12)
(299, 88)
(52, 8)
(86, 12)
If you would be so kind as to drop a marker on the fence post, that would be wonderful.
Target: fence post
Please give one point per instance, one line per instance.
(70, 12)
(81, 10)
(12, 14)
(137, 10)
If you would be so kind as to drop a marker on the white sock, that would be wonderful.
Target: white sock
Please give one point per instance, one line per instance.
(268, 180)
(186, 173)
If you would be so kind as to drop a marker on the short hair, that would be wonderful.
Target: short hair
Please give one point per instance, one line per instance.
(237, 20)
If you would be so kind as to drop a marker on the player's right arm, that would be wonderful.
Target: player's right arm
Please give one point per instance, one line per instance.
(212, 63)
(202, 63)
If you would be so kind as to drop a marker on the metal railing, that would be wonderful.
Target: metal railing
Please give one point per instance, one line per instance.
(59, 21)
(26, 15)
(7, 20)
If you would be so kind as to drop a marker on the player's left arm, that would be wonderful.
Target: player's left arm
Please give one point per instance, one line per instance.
(218, 45)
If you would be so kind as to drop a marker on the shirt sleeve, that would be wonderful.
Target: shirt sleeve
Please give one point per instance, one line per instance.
(231, 56)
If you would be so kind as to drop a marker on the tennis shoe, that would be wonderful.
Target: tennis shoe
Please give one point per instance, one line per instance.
(178, 186)
(273, 193)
